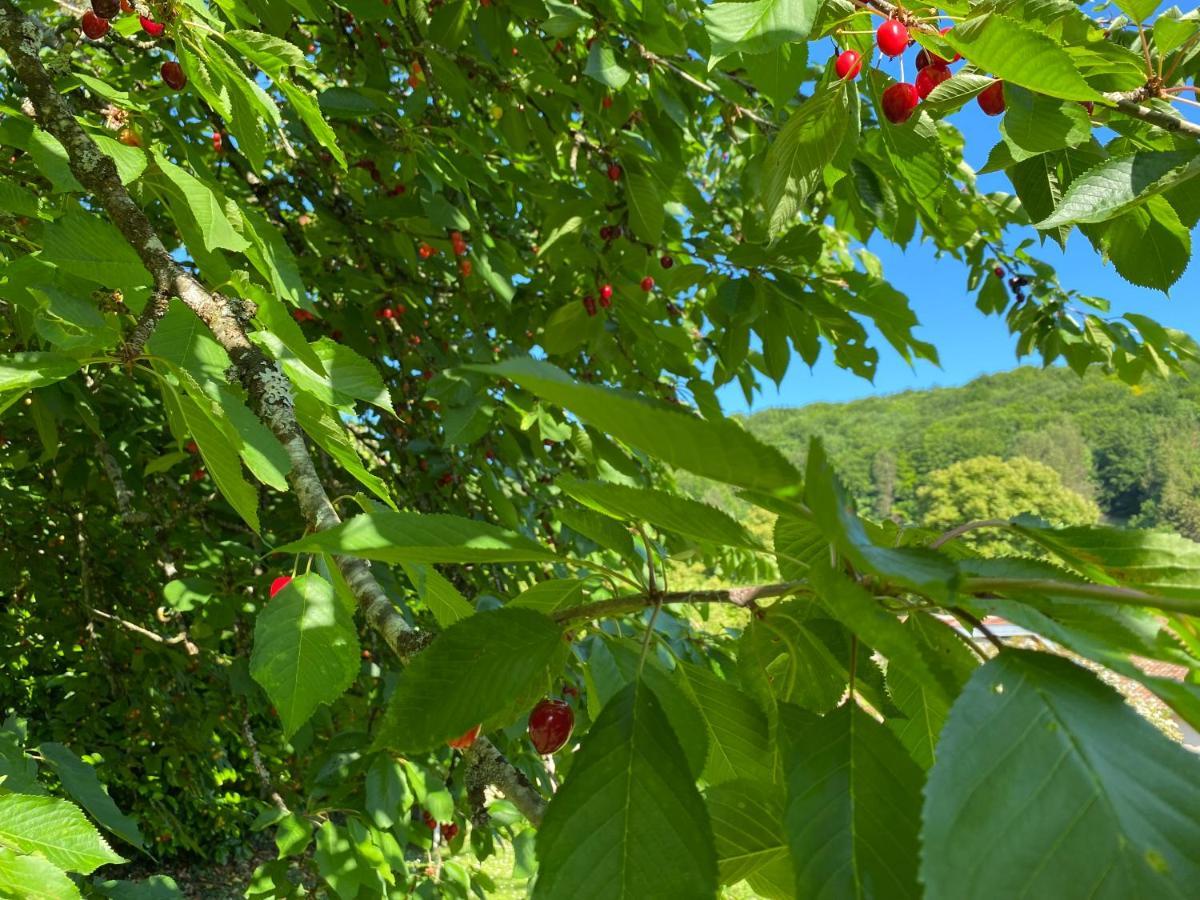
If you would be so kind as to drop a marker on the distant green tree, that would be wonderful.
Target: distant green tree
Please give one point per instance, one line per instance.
(988, 487)
(883, 473)
(1174, 483)
(1062, 447)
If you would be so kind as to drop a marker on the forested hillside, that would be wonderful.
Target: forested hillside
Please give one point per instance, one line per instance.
(1134, 450)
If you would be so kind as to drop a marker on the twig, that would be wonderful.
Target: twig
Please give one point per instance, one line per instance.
(135, 340)
(960, 530)
(978, 624)
(745, 597)
(264, 774)
(181, 638)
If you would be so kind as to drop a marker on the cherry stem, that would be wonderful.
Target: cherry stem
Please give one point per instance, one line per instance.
(1186, 101)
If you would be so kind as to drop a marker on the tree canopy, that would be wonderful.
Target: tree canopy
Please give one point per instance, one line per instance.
(351, 355)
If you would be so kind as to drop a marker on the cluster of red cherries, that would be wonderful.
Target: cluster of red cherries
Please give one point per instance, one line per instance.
(98, 20)
(900, 99)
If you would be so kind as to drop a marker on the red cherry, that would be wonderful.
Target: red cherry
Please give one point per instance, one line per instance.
(425, 251)
(192, 447)
(991, 100)
(385, 313)
(462, 742)
(589, 304)
(152, 28)
(666, 262)
(899, 101)
(1089, 106)
(465, 268)
(848, 65)
(218, 142)
(302, 315)
(106, 9)
(126, 6)
(414, 81)
(606, 102)
(929, 78)
(550, 726)
(456, 237)
(94, 27)
(606, 293)
(647, 284)
(397, 190)
(957, 56)
(892, 37)
(998, 272)
(449, 831)
(615, 172)
(172, 74)
(428, 819)
(416, 67)
(279, 584)
(198, 475)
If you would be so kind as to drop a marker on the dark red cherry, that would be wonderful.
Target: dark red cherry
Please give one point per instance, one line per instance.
(550, 726)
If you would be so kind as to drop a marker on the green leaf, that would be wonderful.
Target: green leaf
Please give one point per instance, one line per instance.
(293, 835)
(408, 537)
(485, 669)
(628, 820)
(718, 449)
(156, 887)
(305, 103)
(781, 657)
(747, 823)
(221, 460)
(1036, 123)
(682, 515)
(1147, 245)
(1138, 10)
(758, 26)
(548, 597)
(737, 728)
(32, 877)
(348, 377)
(922, 570)
(55, 829)
(955, 92)
(602, 66)
(23, 371)
(1157, 562)
(925, 707)
(80, 781)
(797, 158)
(131, 162)
(853, 606)
(1034, 792)
(779, 73)
(646, 212)
(305, 649)
(388, 795)
(90, 248)
(1120, 183)
(330, 434)
(853, 806)
(1018, 53)
(440, 596)
(16, 200)
(205, 207)
(271, 54)
(798, 544)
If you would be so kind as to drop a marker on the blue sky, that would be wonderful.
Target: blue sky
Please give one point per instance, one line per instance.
(970, 344)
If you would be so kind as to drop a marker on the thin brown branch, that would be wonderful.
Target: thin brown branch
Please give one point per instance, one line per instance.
(960, 530)
(181, 638)
(745, 597)
(264, 775)
(135, 339)
(487, 765)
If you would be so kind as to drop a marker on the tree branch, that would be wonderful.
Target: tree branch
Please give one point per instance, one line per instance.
(487, 765)
(960, 530)
(745, 597)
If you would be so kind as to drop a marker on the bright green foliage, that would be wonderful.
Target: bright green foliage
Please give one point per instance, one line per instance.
(469, 277)
(988, 487)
